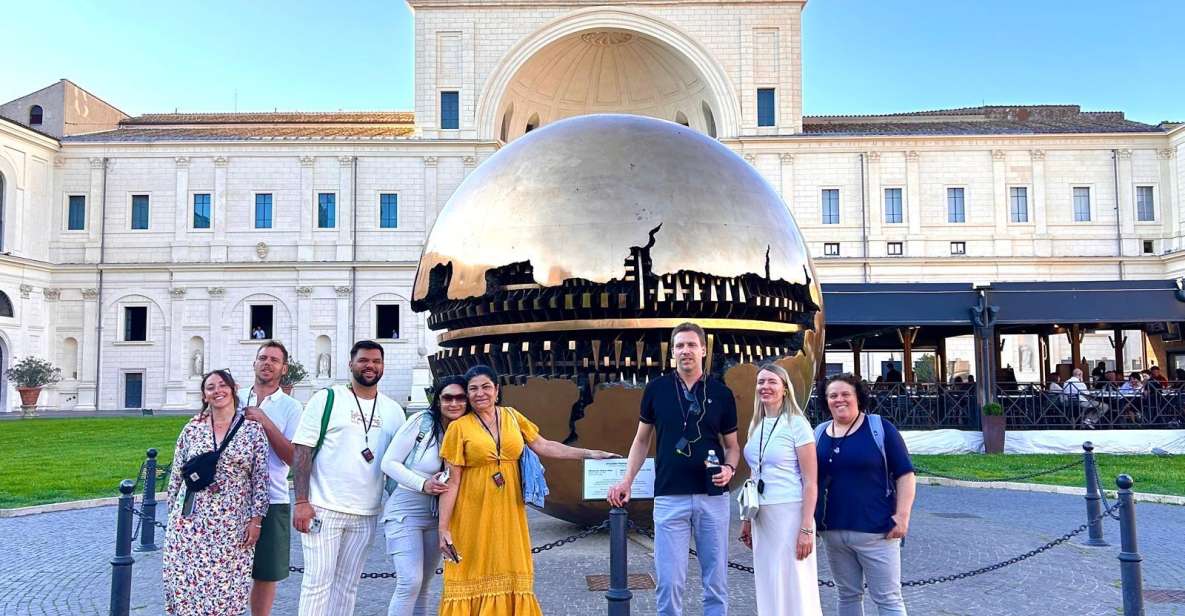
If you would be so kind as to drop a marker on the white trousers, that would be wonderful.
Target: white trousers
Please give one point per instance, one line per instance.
(333, 560)
(785, 585)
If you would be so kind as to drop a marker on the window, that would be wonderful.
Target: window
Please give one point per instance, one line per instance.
(831, 249)
(765, 106)
(260, 327)
(386, 321)
(76, 213)
(894, 249)
(450, 111)
(1081, 204)
(893, 206)
(709, 119)
(135, 323)
(263, 211)
(139, 212)
(5, 305)
(36, 115)
(201, 211)
(388, 211)
(1148, 247)
(831, 206)
(532, 123)
(1018, 204)
(958, 248)
(326, 210)
(133, 390)
(1145, 212)
(956, 210)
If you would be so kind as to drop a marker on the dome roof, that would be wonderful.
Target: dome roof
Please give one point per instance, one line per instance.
(574, 197)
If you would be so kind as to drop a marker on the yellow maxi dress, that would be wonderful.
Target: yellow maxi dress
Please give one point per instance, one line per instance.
(489, 524)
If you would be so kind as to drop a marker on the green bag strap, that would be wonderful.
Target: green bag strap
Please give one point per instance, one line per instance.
(324, 419)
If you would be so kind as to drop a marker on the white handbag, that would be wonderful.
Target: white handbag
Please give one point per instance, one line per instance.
(747, 500)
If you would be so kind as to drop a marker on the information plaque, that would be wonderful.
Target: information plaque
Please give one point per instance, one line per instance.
(600, 475)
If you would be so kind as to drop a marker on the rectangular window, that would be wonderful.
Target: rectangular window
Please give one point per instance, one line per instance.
(76, 221)
(201, 211)
(765, 106)
(139, 212)
(958, 248)
(1148, 247)
(135, 323)
(831, 206)
(386, 321)
(326, 210)
(893, 206)
(894, 249)
(263, 211)
(831, 249)
(1145, 212)
(261, 322)
(1081, 204)
(450, 110)
(1018, 204)
(388, 211)
(133, 390)
(956, 210)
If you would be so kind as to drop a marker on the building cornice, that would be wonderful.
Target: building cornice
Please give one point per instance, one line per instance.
(193, 149)
(859, 144)
(439, 4)
(255, 266)
(22, 262)
(17, 130)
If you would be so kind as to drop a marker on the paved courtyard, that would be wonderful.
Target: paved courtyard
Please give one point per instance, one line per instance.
(57, 563)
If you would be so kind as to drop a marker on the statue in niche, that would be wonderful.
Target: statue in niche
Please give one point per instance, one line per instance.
(1026, 358)
(197, 364)
(323, 365)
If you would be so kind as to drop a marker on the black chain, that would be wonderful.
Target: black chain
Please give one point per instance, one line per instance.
(1103, 495)
(926, 471)
(588, 532)
(141, 516)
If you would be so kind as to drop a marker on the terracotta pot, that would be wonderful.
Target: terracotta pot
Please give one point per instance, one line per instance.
(287, 389)
(29, 395)
(993, 433)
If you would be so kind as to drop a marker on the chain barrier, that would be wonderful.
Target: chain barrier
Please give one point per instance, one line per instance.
(926, 471)
(140, 516)
(1114, 515)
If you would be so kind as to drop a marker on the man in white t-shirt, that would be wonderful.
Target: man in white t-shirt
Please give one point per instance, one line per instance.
(279, 414)
(338, 478)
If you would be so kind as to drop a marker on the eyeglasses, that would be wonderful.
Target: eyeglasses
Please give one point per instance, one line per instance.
(452, 398)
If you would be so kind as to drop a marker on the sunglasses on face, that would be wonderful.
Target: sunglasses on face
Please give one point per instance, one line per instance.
(449, 398)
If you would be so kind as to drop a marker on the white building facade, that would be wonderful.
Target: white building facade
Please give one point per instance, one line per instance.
(139, 251)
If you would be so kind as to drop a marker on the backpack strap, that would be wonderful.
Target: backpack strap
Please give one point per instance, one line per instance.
(877, 425)
(324, 419)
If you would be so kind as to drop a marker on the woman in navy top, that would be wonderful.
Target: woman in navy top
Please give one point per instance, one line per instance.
(864, 500)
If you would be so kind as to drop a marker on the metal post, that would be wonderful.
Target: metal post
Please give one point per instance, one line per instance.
(619, 594)
(1129, 555)
(1094, 506)
(121, 565)
(147, 528)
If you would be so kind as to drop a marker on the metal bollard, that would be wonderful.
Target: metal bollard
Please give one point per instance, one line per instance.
(619, 594)
(1129, 555)
(147, 528)
(1094, 505)
(121, 565)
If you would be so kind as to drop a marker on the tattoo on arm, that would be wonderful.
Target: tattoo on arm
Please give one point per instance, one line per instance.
(302, 469)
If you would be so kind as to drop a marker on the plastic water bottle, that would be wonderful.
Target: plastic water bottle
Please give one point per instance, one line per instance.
(713, 461)
(711, 471)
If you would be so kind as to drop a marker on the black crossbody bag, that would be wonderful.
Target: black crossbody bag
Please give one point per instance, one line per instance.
(199, 470)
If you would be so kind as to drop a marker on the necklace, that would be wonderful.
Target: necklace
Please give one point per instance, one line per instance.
(835, 450)
(497, 424)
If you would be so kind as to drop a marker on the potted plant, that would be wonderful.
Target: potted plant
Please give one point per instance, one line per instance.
(296, 375)
(993, 428)
(29, 375)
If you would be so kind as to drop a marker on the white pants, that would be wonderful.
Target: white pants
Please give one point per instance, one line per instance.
(333, 560)
(785, 585)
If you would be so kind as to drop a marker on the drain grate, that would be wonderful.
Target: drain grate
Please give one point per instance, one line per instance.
(635, 581)
(955, 515)
(1165, 595)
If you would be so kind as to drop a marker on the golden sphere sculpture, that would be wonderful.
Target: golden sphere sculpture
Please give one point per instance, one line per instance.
(565, 259)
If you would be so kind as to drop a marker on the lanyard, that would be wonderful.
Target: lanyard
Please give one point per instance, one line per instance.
(681, 387)
(366, 424)
(498, 424)
(761, 445)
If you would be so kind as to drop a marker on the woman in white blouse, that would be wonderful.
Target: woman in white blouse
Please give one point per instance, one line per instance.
(781, 456)
(412, 462)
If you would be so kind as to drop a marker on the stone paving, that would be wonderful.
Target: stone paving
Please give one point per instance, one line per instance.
(58, 563)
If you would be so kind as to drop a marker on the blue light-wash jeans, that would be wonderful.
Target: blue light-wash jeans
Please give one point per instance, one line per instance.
(676, 519)
(858, 557)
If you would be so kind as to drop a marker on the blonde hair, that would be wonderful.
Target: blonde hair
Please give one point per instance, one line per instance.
(789, 402)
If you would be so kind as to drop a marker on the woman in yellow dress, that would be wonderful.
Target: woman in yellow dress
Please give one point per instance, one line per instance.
(483, 519)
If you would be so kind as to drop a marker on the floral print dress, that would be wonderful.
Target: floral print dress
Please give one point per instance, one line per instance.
(206, 568)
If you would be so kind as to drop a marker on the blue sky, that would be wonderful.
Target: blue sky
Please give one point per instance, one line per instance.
(859, 56)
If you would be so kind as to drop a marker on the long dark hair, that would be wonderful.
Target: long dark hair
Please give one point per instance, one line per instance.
(434, 408)
(486, 371)
(226, 378)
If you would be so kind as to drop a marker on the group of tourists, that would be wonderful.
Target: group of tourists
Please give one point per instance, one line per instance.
(450, 483)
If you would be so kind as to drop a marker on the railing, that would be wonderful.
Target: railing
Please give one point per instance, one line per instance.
(1031, 406)
(913, 406)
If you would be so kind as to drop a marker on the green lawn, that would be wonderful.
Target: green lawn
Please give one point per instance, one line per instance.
(1152, 474)
(54, 460)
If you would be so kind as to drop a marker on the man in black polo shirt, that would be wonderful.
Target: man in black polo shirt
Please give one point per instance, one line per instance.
(692, 414)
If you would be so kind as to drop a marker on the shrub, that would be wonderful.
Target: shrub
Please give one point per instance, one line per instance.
(993, 409)
(295, 375)
(33, 372)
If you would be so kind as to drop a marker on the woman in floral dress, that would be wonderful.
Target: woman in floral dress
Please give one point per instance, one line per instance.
(210, 541)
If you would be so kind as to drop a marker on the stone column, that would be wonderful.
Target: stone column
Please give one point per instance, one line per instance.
(305, 353)
(88, 351)
(217, 338)
(913, 204)
(1127, 207)
(1167, 206)
(469, 163)
(1001, 206)
(1042, 243)
(94, 210)
(876, 200)
(181, 219)
(345, 209)
(307, 208)
(787, 180)
(341, 368)
(429, 194)
(219, 247)
(176, 351)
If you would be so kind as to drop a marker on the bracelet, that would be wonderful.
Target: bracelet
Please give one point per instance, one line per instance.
(807, 531)
(257, 525)
(302, 502)
(730, 467)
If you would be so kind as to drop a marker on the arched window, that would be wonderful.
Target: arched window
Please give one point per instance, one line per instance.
(506, 119)
(35, 115)
(5, 305)
(709, 121)
(681, 119)
(532, 123)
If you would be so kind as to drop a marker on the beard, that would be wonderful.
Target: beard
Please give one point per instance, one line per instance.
(365, 382)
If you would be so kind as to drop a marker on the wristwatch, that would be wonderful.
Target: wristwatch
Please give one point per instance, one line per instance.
(730, 467)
